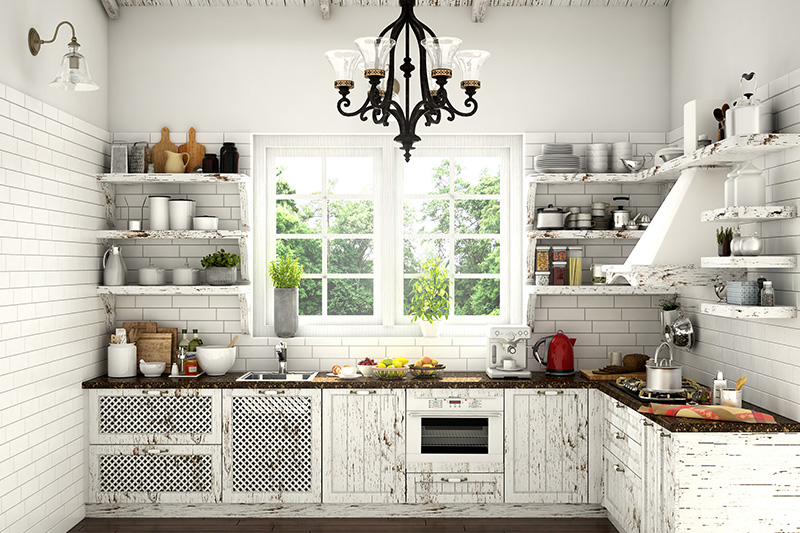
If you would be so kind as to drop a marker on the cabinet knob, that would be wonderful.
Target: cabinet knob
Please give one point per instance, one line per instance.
(154, 392)
(618, 468)
(156, 450)
(647, 423)
(363, 392)
(665, 435)
(549, 392)
(619, 436)
(454, 479)
(619, 405)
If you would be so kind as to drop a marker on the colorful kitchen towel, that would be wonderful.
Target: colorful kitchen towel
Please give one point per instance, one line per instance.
(709, 412)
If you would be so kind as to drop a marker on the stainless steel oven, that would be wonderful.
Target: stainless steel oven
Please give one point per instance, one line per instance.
(454, 430)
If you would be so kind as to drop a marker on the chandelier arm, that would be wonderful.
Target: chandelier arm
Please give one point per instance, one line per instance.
(344, 102)
(470, 103)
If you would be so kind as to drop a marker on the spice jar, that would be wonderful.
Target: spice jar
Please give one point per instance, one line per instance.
(559, 253)
(598, 275)
(542, 258)
(767, 295)
(560, 272)
(190, 366)
(575, 265)
(543, 278)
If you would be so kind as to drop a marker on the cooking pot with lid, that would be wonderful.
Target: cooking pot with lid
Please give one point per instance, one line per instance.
(550, 217)
(664, 375)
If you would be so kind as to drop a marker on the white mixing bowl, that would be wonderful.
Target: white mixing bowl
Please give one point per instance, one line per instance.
(216, 360)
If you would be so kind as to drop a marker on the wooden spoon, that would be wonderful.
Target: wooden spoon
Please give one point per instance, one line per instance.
(740, 382)
(115, 339)
(235, 338)
(719, 115)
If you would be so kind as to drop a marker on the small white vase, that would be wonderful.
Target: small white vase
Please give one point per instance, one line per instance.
(430, 329)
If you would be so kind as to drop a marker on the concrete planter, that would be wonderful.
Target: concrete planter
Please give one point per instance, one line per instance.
(286, 312)
(221, 275)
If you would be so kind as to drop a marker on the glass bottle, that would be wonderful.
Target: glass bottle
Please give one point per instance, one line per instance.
(183, 349)
(194, 343)
(229, 159)
(767, 295)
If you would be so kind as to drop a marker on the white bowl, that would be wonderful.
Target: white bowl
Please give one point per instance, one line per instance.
(206, 222)
(366, 370)
(216, 360)
(151, 370)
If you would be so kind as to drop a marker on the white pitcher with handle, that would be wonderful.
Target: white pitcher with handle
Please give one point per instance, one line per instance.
(115, 273)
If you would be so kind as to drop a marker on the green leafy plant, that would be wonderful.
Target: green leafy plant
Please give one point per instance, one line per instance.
(724, 232)
(220, 259)
(430, 295)
(286, 272)
(670, 303)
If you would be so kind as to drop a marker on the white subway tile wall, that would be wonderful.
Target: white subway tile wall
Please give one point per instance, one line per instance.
(52, 330)
(766, 351)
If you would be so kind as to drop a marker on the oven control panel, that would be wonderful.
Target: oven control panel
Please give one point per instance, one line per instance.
(455, 403)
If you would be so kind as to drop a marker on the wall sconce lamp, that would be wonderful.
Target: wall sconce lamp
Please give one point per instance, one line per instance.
(74, 73)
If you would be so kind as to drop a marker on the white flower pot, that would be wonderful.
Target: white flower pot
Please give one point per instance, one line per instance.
(430, 329)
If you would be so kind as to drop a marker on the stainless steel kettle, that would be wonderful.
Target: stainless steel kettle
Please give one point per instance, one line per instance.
(551, 217)
(622, 217)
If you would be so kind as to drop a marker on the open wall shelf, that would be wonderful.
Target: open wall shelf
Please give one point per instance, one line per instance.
(584, 234)
(749, 213)
(754, 262)
(747, 311)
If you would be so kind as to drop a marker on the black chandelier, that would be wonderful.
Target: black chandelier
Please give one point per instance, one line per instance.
(376, 55)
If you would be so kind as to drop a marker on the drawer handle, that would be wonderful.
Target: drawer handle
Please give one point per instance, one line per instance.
(619, 405)
(619, 436)
(271, 392)
(156, 450)
(665, 435)
(646, 423)
(454, 479)
(550, 392)
(154, 392)
(363, 392)
(618, 468)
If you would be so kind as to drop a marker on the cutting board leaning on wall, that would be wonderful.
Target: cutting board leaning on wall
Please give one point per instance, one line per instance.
(196, 151)
(158, 157)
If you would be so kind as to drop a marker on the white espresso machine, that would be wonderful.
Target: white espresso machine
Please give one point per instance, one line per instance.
(506, 352)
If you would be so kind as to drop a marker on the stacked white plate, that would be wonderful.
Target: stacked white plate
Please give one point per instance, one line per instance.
(556, 158)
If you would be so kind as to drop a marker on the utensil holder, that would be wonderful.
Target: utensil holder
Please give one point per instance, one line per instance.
(121, 360)
(731, 398)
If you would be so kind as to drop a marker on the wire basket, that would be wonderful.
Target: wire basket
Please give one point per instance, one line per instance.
(391, 373)
(425, 372)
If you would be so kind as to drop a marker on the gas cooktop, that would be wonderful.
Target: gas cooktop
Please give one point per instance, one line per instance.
(638, 389)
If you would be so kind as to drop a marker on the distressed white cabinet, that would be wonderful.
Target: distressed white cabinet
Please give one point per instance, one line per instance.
(154, 416)
(272, 446)
(364, 446)
(455, 488)
(547, 452)
(658, 478)
(155, 474)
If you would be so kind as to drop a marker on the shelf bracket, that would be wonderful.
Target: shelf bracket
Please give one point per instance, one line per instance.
(244, 253)
(244, 205)
(110, 193)
(110, 304)
(245, 311)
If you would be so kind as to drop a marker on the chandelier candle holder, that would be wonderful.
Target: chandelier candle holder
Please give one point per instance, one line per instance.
(376, 57)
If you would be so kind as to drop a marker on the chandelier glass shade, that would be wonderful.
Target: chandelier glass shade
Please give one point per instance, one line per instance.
(436, 57)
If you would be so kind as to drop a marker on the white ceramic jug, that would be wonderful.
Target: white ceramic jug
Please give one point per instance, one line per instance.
(115, 273)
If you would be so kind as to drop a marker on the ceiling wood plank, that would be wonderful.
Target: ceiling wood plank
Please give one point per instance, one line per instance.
(479, 8)
(112, 8)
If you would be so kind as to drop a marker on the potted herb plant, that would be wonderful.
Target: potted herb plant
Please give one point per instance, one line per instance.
(670, 311)
(430, 297)
(221, 268)
(286, 273)
(724, 238)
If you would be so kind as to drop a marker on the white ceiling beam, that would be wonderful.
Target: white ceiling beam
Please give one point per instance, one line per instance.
(479, 8)
(111, 7)
(325, 8)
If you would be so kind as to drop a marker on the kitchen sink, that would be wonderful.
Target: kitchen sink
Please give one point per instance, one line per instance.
(278, 376)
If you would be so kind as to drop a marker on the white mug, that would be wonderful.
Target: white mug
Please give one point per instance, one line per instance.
(731, 398)
(348, 371)
(615, 358)
(508, 364)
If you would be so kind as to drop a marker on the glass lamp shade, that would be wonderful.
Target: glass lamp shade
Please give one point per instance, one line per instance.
(470, 62)
(375, 51)
(344, 63)
(73, 75)
(441, 51)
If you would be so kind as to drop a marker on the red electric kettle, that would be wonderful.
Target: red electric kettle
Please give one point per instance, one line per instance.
(560, 355)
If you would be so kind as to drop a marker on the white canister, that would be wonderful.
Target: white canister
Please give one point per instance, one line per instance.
(186, 275)
(211, 223)
(159, 212)
(180, 214)
(152, 276)
(750, 187)
(121, 360)
(730, 188)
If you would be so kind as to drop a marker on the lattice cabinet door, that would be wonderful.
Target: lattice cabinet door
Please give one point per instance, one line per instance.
(155, 474)
(155, 416)
(364, 438)
(272, 446)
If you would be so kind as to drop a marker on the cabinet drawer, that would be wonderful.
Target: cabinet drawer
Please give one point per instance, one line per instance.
(152, 474)
(624, 418)
(623, 447)
(623, 495)
(155, 416)
(455, 488)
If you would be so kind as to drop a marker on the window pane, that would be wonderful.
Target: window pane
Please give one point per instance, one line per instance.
(307, 251)
(477, 216)
(477, 256)
(350, 216)
(477, 175)
(297, 216)
(298, 175)
(426, 216)
(417, 251)
(350, 175)
(310, 297)
(350, 297)
(477, 297)
(350, 256)
(426, 175)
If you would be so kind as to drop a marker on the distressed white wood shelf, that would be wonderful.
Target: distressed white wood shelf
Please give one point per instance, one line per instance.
(749, 213)
(662, 276)
(584, 234)
(747, 311)
(755, 262)
(113, 234)
(723, 153)
(242, 290)
(532, 289)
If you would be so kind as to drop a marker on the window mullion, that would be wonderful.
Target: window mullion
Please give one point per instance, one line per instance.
(324, 262)
(451, 239)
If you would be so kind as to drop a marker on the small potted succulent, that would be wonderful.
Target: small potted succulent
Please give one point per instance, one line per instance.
(430, 297)
(221, 268)
(724, 238)
(670, 311)
(286, 273)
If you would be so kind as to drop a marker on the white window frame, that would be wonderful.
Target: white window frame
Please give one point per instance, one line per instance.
(388, 320)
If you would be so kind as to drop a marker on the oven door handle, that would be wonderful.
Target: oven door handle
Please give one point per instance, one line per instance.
(461, 414)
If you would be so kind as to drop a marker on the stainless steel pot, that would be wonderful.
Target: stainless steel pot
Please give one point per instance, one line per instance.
(622, 217)
(550, 217)
(663, 375)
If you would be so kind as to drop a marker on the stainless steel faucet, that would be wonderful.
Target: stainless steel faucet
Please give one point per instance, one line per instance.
(280, 351)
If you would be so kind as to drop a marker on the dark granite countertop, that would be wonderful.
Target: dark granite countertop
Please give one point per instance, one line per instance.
(451, 380)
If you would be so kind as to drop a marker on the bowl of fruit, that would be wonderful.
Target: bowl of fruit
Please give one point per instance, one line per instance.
(391, 368)
(367, 367)
(426, 368)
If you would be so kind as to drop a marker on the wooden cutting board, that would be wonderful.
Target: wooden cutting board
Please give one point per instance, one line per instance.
(157, 154)
(155, 348)
(145, 327)
(174, 333)
(591, 376)
(196, 151)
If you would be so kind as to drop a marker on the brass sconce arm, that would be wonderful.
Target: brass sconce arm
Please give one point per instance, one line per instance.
(35, 42)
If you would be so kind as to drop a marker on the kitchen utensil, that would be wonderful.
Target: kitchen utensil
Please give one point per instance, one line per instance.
(176, 163)
(233, 341)
(631, 227)
(740, 382)
(196, 151)
(115, 273)
(151, 369)
(644, 222)
(151, 275)
(155, 347)
(205, 223)
(115, 340)
(119, 157)
(157, 153)
(621, 216)
(751, 245)
(635, 163)
(668, 153)
(731, 398)
(749, 115)
(216, 360)
(133, 225)
(681, 333)
(137, 157)
(134, 329)
(719, 290)
(550, 217)
(180, 214)
(719, 116)
(121, 360)
(159, 212)
(560, 360)
(750, 186)
(736, 242)
(662, 374)
(619, 151)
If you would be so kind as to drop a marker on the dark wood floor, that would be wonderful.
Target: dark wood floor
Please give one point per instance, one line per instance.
(342, 525)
